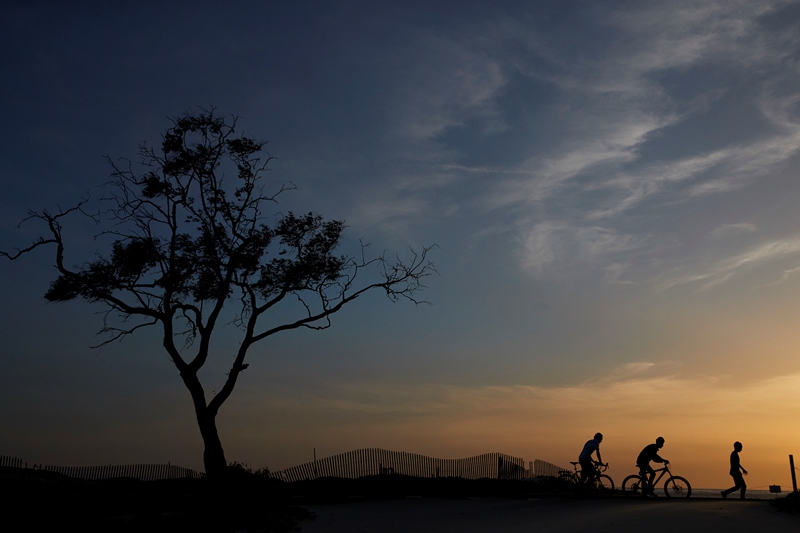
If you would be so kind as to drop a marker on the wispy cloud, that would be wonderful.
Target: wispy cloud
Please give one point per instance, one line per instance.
(725, 269)
(611, 109)
(606, 107)
(750, 162)
(785, 276)
(725, 229)
(679, 33)
(613, 146)
(392, 212)
(445, 83)
(478, 169)
(654, 180)
(629, 388)
(560, 243)
(716, 172)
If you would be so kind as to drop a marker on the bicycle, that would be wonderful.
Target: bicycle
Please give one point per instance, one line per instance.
(603, 484)
(674, 486)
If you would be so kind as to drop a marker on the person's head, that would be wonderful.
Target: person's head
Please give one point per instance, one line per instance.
(598, 437)
(660, 442)
(737, 446)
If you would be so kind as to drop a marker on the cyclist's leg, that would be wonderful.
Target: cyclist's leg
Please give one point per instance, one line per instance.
(587, 473)
(648, 474)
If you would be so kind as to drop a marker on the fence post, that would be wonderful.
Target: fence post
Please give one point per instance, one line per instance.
(794, 477)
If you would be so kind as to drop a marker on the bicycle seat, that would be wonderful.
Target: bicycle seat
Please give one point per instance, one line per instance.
(574, 463)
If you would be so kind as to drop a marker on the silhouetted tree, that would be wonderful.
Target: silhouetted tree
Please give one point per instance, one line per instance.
(190, 243)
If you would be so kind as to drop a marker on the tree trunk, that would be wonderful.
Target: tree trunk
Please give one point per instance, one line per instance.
(213, 454)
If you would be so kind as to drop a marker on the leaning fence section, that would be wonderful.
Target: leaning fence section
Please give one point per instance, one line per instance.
(376, 461)
(140, 472)
(544, 469)
(96, 473)
(10, 462)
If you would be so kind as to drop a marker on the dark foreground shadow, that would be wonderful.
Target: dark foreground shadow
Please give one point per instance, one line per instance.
(46, 501)
(245, 501)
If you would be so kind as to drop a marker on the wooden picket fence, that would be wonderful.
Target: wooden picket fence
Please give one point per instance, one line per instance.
(10, 462)
(376, 461)
(95, 473)
(355, 464)
(543, 468)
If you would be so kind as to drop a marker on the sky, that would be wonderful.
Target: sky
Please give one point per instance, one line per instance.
(612, 188)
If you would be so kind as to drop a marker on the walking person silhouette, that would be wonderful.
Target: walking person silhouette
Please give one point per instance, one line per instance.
(736, 473)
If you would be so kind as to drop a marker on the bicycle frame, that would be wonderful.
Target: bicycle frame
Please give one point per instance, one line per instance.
(599, 468)
(664, 470)
(601, 484)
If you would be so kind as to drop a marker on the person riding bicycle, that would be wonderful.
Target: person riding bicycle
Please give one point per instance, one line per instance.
(650, 453)
(588, 471)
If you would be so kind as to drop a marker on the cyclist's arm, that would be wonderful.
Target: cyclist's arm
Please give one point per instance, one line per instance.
(599, 460)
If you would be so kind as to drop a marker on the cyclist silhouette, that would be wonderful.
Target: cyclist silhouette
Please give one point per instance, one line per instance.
(588, 471)
(736, 473)
(650, 453)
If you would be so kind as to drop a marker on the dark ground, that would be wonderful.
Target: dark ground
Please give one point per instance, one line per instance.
(256, 503)
(552, 515)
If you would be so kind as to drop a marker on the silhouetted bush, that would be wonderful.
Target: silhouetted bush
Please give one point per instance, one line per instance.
(246, 500)
(251, 502)
(789, 503)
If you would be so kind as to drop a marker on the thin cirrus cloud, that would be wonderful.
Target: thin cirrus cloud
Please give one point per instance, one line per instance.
(615, 144)
(622, 109)
(567, 202)
(683, 33)
(444, 83)
(548, 246)
(784, 277)
(604, 113)
(743, 164)
(716, 172)
(726, 269)
(726, 229)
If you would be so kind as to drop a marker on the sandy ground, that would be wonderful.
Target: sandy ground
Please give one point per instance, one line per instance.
(550, 516)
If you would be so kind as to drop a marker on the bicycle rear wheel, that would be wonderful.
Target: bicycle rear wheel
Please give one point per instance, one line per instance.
(604, 485)
(568, 477)
(633, 485)
(677, 487)
(567, 482)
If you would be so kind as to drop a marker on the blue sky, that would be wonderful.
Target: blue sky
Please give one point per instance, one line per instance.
(612, 186)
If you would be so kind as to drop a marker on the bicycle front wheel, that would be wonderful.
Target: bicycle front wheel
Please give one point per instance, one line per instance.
(604, 485)
(633, 485)
(677, 487)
